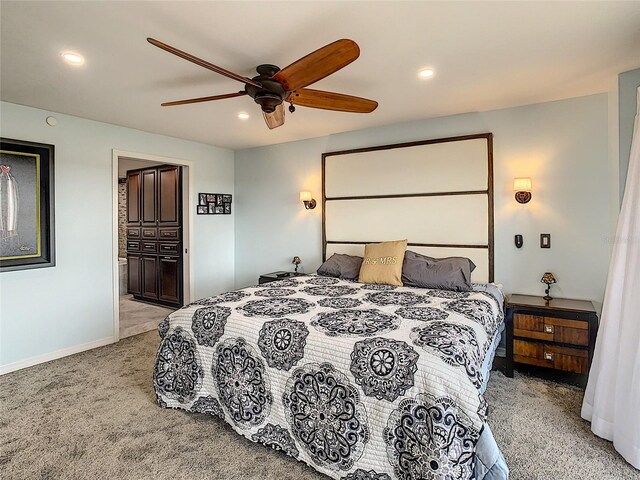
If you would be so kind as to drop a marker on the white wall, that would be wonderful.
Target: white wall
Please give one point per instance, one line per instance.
(562, 146)
(70, 305)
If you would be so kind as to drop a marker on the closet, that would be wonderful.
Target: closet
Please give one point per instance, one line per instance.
(154, 234)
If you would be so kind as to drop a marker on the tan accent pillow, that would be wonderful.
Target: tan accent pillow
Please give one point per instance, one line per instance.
(382, 263)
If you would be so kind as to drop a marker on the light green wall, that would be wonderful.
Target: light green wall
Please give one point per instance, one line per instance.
(50, 309)
(628, 83)
(562, 146)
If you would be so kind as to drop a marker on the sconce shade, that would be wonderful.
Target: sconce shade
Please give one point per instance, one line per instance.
(307, 199)
(521, 184)
(305, 196)
(522, 187)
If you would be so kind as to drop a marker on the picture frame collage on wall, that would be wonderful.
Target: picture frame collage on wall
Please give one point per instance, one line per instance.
(214, 204)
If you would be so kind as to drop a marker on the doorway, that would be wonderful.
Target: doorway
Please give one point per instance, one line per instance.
(137, 311)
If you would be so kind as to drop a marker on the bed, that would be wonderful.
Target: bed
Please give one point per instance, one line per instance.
(359, 381)
(347, 377)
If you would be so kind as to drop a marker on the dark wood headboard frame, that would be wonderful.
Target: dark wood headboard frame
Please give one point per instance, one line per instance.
(488, 192)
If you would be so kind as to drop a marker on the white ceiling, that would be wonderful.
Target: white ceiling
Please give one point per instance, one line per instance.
(486, 55)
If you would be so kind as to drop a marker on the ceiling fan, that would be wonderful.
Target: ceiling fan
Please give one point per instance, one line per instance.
(273, 86)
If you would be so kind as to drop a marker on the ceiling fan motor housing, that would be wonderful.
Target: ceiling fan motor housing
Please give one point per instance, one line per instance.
(272, 93)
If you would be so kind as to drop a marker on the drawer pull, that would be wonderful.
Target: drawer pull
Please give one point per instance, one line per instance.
(548, 356)
(548, 328)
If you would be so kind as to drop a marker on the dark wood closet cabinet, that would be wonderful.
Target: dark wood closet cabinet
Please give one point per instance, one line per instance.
(154, 234)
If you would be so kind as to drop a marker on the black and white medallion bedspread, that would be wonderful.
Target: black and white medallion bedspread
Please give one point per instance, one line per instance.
(362, 382)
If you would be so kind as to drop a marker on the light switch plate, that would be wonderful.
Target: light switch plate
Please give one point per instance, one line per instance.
(545, 240)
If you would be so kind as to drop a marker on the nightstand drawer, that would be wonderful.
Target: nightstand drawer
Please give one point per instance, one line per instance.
(552, 356)
(574, 332)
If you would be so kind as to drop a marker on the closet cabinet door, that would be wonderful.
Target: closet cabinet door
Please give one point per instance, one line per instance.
(133, 198)
(170, 273)
(169, 193)
(150, 277)
(149, 197)
(134, 274)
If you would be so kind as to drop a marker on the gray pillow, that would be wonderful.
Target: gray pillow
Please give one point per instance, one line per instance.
(451, 273)
(341, 266)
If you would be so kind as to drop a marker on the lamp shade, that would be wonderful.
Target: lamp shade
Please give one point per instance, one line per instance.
(548, 278)
(305, 196)
(522, 184)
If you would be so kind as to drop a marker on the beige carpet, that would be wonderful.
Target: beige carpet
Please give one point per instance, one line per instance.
(139, 317)
(93, 416)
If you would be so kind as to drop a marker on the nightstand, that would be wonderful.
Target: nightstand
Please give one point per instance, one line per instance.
(275, 276)
(553, 339)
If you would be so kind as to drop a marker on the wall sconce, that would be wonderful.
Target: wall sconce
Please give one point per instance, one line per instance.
(522, 187)
(309, 203)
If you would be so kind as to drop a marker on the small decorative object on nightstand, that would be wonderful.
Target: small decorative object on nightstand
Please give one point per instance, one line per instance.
(549, 280)
(296, 261)
(275, 276)
(558, 335)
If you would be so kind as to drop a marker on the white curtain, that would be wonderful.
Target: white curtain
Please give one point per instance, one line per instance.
(612, 399)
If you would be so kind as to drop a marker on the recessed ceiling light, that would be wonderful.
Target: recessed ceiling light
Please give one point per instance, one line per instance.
(73, 58)
(243, 116)
(425, 73)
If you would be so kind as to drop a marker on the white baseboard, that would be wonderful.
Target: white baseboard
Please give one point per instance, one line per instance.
(47, 357)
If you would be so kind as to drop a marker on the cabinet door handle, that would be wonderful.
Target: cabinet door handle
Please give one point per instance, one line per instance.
(548, 328)
(548, 356)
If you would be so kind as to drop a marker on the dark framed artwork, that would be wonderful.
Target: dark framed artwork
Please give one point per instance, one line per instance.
(214, 204)
(26, 205)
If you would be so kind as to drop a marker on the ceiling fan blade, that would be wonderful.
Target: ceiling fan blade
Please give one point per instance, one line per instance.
(202, 63)
(203, 99)
(276, 118)
(332, 101)
(318, 64)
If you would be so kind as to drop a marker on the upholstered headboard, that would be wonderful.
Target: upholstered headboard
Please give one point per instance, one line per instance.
(438, 194)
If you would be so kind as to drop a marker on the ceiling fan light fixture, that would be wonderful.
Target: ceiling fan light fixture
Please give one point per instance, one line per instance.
(72, 58)
(426, 73)
(273, 86)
